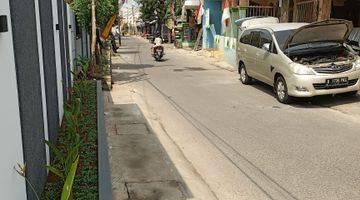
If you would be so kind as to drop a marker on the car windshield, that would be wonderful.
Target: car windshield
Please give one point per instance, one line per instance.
(318, 46)
(282, 36)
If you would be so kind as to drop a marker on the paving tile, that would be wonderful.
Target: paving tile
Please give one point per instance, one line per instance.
(119, 191)
(138, 158)
(126, 114)
(124, 129)
(169, 190)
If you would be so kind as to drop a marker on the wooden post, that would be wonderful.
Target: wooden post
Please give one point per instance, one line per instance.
(295, 12)
(324, 9)
(284, 11)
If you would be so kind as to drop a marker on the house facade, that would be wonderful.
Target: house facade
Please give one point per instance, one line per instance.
(39, 41)
(222, 37)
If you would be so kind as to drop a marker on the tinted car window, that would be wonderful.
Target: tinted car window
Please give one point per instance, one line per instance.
(246, 37)
(282, 36)
(255, 38)
(265, 37)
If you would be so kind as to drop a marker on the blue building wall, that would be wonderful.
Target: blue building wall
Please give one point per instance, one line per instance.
(215, 18)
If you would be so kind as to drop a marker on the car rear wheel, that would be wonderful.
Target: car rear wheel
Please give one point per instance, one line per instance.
(281, 91)
(244, 77)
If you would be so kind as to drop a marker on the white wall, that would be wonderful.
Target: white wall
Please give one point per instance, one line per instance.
(58, 60)
(12, 186)
(72, 38)
(42, 78)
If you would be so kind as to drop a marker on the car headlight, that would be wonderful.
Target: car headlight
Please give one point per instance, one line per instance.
(357, 64)
(302, 69)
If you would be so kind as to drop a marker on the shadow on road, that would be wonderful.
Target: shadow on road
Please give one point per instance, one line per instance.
(127, 52)
(131, 66)
(318, 101)
(121, 78)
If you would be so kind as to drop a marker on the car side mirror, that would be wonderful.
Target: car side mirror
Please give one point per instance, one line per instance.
(266, 47)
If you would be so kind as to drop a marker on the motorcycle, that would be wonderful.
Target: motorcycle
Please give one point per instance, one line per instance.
(158, 52)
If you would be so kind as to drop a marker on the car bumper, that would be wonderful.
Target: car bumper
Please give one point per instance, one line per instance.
(314, 85)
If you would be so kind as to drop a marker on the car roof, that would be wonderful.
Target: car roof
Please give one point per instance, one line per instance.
(278, 26)
(243, 23)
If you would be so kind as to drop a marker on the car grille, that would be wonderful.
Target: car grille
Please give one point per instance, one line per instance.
(333, 69)
(323, 86)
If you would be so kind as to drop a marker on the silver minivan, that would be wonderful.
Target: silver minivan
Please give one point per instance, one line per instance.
(299, 59)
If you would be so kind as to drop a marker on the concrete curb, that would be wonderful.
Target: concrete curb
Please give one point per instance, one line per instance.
(104, 180)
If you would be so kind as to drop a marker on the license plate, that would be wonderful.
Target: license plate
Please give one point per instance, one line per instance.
(337, 81)
(159, 50)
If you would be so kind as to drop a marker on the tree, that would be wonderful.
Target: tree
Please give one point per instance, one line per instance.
(93, 14)
(104, 10)
(160, 10)
(147, 8)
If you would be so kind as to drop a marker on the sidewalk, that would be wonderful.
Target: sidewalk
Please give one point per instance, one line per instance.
(140, 168)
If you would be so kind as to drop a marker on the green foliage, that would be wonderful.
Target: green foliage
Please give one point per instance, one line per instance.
(159, 10)
(83, 71)
(67, 152)
(125, 28)
(178, 7)
(147, 8)
(80, 118)
(104, 10)
(67, 189)
(82, 9)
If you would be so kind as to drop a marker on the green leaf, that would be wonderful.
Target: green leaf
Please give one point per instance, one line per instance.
(67, 188)
(58, 154)
(55, 171)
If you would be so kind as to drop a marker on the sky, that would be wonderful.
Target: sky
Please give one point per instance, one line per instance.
(130, 3)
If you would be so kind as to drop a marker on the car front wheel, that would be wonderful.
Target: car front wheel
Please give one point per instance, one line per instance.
(281, 91)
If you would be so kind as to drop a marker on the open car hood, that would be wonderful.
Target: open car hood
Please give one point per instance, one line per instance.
(333, 30)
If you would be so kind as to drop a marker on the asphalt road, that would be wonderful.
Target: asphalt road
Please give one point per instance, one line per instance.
(299, 151)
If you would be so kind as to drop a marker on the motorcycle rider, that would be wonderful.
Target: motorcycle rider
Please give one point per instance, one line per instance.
(157, 43)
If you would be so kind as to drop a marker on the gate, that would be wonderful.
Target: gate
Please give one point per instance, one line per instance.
(305, 11)
(253, 11)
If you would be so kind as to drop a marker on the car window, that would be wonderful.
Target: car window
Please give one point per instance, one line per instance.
(255, 39)
(265, 37)
(246, 37)
(282, 36)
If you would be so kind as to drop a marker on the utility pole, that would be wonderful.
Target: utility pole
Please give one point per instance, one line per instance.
(119, 20)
